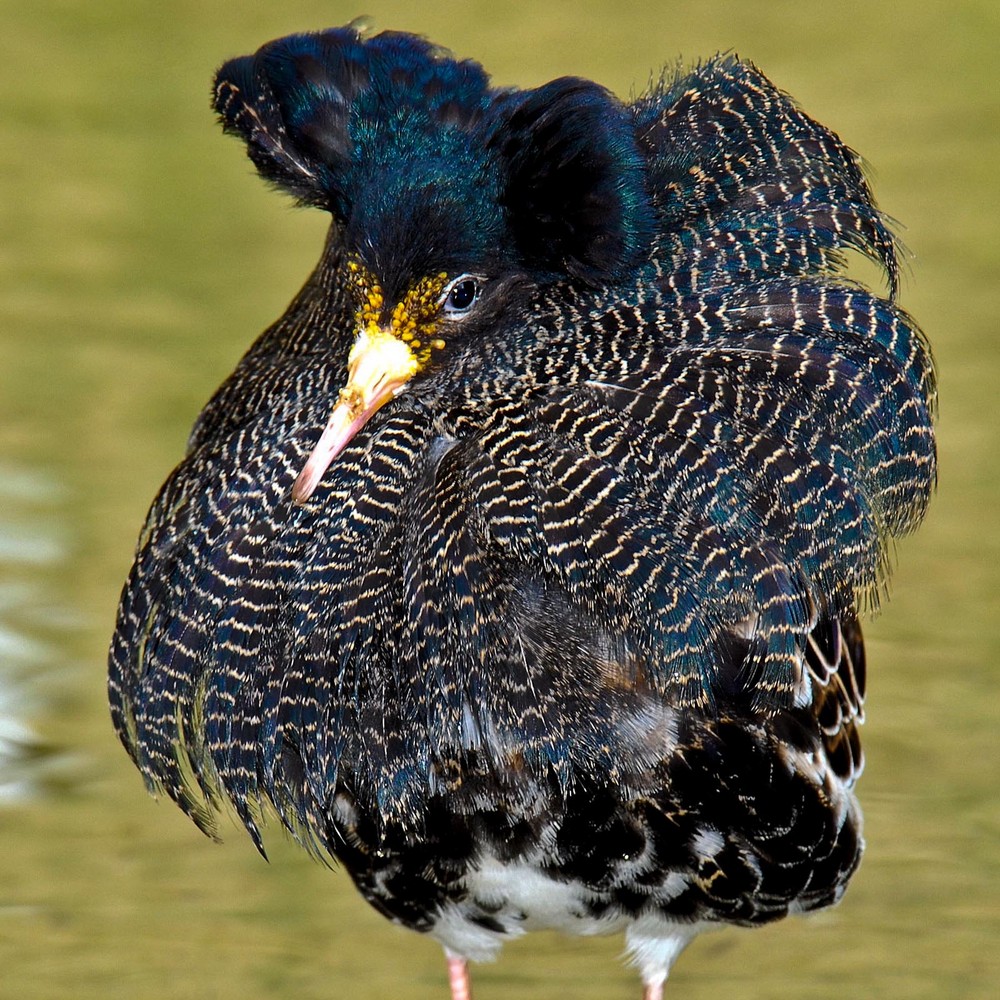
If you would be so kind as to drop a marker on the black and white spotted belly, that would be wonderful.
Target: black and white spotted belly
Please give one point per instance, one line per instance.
(737, 821)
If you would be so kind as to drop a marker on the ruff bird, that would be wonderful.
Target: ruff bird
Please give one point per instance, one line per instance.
(518, 566)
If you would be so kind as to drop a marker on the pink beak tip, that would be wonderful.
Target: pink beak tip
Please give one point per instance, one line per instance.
(300, 493)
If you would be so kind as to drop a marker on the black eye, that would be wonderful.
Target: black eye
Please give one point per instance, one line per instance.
(462, 295)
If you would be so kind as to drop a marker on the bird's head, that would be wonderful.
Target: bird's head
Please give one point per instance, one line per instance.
(446, 194)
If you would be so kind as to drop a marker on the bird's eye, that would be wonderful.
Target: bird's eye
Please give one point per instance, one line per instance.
(461, 295)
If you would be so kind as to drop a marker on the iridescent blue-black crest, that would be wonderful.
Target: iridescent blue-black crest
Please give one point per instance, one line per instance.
(552, 178)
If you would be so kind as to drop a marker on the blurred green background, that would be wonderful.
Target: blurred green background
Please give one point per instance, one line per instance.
(138, 258)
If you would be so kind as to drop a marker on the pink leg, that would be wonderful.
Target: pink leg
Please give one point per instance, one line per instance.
(458, 978)
(653, 991)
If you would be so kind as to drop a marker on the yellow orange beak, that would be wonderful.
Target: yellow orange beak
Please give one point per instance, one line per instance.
(378, 366)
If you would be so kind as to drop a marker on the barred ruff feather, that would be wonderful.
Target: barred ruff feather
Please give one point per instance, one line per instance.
(582, 597)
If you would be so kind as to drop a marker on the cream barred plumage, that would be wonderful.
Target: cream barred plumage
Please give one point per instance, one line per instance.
(518, 565)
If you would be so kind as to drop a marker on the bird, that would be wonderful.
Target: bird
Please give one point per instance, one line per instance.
(519, 567)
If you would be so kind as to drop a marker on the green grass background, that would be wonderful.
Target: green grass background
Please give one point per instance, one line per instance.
(139, 256)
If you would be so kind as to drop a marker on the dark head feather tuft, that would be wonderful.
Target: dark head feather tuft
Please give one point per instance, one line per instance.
(370, 126)
(575, 188)
(316, 109)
